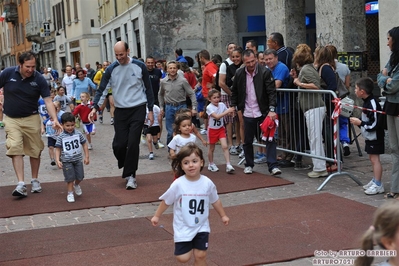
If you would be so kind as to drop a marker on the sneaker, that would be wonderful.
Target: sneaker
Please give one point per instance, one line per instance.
(275, 171)
(90, 147)
(347, 151)
(143, 139)
(151, 156)
(241, 155)
(160, 144)
(203, 131)
(78, 190)
(52, 162)
(315, 174)
(36, 188)
(259, 155)
(131, 182)
(20, 191)
(299, 166)
(374, 189)
(156, 145)
(70, 197)
(112, 120)
(100, 118)
(233, 150)
(229, 168)
(213, 168)
(369, 184)
(261, 160)
(248, 170)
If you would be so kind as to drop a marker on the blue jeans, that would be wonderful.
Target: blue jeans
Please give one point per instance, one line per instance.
(251, 129)
(170, 112)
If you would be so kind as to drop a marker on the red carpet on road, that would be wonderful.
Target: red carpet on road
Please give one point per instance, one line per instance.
(259, 233)
(110, 191)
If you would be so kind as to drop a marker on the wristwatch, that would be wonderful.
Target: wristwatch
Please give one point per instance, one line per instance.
(271, 109)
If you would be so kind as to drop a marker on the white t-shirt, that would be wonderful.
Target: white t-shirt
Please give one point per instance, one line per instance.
(178, 141)
(211, 108)
(156, 112)
(223, 70)
(67, 82)
(191, 201)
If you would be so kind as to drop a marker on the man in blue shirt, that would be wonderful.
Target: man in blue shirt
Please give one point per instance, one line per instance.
(179, 56)
(23, 86)
(281, 76)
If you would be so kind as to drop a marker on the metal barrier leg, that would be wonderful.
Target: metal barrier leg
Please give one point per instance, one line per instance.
(336, 174)
(241, 161)
(359, 150)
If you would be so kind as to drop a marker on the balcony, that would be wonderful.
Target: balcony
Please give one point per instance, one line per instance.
(11, 12)
(32, 32)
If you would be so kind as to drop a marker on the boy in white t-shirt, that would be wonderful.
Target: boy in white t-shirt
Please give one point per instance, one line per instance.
(151, 131)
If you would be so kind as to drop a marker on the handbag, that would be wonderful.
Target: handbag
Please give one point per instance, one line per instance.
(341, 89)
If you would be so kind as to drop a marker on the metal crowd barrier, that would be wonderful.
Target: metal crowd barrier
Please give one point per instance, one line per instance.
(292, 131)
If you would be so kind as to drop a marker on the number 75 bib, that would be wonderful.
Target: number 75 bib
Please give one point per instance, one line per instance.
(195, 209)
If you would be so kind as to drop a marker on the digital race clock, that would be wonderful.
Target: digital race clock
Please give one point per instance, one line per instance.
(356, 61)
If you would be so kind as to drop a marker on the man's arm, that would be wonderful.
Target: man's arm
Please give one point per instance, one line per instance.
(148, 88)
(191, 94)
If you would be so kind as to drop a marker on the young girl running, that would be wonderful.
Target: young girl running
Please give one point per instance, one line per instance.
(385, 233)
(191, 195)
(194, 129)
(216, 110)
(182, 129)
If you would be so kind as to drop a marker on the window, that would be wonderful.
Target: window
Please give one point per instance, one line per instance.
(92, 23)
(117, 32)
(68, 11)
(75, 11)
(21, 32)
(105, 45)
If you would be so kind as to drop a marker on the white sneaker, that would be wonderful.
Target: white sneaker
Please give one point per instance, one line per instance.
(241, 155)
(229, 168)
(151, 156)
(261, 160)
(213, 168)
(36, 188)
(78, 190)
(203, 131)
(374, 189)
(248, 170)
(90, 147)
(233, 150)
(70, 197)
(276, 171)
(369, 184)
(131, 182)
(143, 139)
(160, 144)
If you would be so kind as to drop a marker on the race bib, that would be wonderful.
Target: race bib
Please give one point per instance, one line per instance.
(71, 145)
(195, 209)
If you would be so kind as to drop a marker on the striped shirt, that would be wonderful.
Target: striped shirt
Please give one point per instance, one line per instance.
(71, 145)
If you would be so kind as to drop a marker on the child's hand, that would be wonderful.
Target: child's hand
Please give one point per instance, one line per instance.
(155, 221)
(225, 220)
(355, 121)
(204, 142)
(86, 161)
(59, 164)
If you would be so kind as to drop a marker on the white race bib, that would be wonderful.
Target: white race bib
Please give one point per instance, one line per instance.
(71, 145)
(195, 209)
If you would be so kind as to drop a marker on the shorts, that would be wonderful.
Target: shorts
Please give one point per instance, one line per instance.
(226, 99)
(51, 142)
(73, 171)
(374, 147)
(89, 128)
(151, 130)
(24, 136)
(200, 242)
(214, 135)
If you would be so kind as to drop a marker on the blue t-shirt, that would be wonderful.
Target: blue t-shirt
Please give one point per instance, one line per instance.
(281, 72)
(22, 94)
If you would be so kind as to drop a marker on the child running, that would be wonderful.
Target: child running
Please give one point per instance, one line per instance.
(216, 110)
(191, 195)
(63, 99)
(385, 233)
(151, 131)
(68, 155)
(182, 129)
(194, 129)
(51, 134)
(83, 110)
(372, 133)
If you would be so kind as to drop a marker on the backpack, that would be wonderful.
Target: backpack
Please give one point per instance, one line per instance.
(341, 90)
(217, 76)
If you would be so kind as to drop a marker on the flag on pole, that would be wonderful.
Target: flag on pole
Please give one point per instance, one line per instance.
(3, 16)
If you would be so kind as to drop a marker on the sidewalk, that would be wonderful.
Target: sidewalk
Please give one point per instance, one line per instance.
(103, 163)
